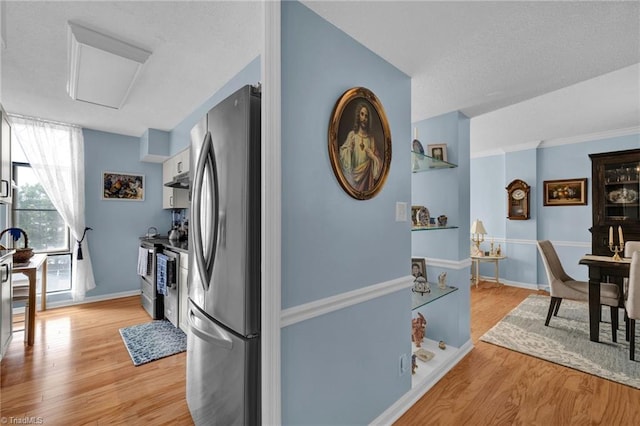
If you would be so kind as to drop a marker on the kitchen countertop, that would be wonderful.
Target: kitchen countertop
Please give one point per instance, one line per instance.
(179, 246)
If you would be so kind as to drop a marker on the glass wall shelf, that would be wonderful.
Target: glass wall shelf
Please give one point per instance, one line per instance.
(418, 300)
(432, 228)
(424, 163)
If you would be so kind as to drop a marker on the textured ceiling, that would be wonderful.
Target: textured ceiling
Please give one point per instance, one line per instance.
(197, 47)
(477, 57)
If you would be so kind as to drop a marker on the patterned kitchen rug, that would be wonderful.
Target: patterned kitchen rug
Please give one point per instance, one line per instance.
(566, 340)
(153, 340)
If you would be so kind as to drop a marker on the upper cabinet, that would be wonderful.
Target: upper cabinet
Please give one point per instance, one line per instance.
(616, 191)
(175, 198)
(176, 165)
(5, 159)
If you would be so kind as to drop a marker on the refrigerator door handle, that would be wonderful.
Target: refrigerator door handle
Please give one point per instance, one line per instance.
(206, 159)
(215, 335)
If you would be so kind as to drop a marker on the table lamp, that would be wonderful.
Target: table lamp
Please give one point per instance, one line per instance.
(477, 233)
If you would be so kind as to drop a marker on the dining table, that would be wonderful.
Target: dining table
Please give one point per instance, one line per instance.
(602, 268)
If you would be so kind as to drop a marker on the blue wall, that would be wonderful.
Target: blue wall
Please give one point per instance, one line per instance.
(118, 224)
(341, 367)
(180, 136)
(566, 226)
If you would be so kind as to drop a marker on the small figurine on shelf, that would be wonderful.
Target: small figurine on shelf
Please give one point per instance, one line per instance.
(442, 280)
(414, 364)
(420, 285)
(499, 251)
(418, 329)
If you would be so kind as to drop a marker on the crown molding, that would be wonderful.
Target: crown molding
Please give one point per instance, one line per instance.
(607, 134)
(547, 143)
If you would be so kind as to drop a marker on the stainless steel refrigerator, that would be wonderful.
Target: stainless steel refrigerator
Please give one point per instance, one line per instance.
(223, 344)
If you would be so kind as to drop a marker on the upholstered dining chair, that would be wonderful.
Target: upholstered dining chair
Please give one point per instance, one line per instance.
(562, 286)
(632, 303)
(629, 248)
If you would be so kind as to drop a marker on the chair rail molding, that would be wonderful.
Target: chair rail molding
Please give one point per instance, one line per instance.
(319, 307)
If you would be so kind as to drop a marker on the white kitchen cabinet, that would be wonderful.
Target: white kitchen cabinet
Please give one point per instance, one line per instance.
(175, 198)
(176, 165)
(183, 291)
(6, 193)
(182, 161)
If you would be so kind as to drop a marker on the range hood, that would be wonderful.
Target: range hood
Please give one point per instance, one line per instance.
(180, 181)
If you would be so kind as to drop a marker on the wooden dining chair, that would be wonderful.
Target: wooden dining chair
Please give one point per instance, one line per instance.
(562, 286)
(632, 303)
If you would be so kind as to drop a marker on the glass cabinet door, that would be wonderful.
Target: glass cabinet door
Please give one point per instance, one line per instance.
(621, 192)
(616, 198)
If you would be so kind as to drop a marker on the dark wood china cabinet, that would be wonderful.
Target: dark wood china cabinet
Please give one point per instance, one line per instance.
(615, 187)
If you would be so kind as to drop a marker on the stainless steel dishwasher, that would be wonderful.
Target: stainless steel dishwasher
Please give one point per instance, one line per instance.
(171, 300)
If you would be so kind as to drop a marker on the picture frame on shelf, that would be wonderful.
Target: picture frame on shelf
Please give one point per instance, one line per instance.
(437, 151)
(360, 143)
(418, 267)
(565, 192)
(122, 186)
(420, 216)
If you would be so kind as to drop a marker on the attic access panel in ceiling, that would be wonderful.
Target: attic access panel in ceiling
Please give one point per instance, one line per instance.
(102, 69)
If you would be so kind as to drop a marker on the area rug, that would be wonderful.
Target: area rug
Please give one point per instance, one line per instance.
(153, 340)
(566, 340)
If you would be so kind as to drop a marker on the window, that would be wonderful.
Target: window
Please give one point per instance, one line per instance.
(34, 213)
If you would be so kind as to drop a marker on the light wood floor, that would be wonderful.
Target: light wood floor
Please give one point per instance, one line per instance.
(78, 372)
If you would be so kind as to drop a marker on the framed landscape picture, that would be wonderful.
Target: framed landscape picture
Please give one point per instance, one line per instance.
(122, 186)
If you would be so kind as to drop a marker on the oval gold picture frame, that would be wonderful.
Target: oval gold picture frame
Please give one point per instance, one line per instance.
(360, 149)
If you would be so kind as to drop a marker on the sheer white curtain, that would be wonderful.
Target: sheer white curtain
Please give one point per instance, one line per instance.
(56, 154)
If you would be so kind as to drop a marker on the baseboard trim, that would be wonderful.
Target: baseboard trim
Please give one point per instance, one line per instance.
(316, 308)
(406, 401)
(92, 299)
(528, 286)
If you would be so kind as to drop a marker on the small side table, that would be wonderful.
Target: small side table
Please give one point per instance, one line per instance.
(495, 259)
(37, 263)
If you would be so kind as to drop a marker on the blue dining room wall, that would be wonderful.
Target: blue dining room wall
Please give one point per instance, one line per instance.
(566, 226)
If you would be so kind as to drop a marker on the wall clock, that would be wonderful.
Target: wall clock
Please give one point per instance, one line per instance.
(518, 200)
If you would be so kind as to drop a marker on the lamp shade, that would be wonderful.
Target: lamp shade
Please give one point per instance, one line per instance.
(477, 227)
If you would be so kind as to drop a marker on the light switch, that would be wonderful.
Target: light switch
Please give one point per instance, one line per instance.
(401, 212)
